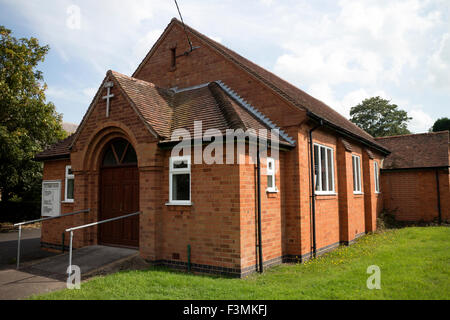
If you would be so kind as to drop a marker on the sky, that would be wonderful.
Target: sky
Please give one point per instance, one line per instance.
(340, 52)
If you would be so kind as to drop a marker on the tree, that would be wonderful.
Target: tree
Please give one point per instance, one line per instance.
(380, 118)
(28, 123)
(441, 124)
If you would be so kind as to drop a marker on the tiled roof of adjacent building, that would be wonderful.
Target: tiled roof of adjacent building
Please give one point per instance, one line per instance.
(294, 95)
(165, 110)
(426, 150)
(59, 150)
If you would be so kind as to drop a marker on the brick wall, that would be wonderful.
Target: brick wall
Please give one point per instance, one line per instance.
(52, 230)
(412, 195)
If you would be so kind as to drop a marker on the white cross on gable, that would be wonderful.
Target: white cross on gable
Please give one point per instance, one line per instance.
(108, 96)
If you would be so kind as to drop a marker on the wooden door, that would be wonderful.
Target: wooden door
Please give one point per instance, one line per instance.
(119, 192)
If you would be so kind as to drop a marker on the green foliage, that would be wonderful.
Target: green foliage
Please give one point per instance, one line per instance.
(380, 118)
(28, 123)
(441, 124)
(413, 263)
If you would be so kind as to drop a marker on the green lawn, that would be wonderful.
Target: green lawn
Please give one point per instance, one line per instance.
(414, 264)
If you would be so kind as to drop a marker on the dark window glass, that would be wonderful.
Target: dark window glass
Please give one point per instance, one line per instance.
(119, 147)
(269, 181)
(316, 167)
(119, 152)
(358, 174)
(180, 164)
(109, 159)
(130, 156)
(330, 170)
(70, 185)
(180, 187)
(323, 166)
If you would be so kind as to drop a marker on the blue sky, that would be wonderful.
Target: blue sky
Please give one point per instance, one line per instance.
(338, 51)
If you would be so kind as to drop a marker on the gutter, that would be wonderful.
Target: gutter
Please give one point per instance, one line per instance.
(50, 158)
(348, 133)
(413, 169)
(313, 189)
(167, 144)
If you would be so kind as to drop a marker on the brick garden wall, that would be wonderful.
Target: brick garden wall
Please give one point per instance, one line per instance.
(412, 195)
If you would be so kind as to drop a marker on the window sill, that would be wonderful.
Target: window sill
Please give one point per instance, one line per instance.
(325, 193)
(358, 193)
(68, 201)
(272, 190)
(179, 204)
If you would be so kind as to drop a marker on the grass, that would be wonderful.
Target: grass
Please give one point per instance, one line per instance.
(414, 264)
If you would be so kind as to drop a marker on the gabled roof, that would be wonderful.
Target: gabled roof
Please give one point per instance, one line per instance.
(315, 108)
(426, 150)
(165, 110)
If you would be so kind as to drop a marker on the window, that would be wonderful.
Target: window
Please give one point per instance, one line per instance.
(173, 61)
(180, 180)
(119, 152)
(271, 183)
(323, 169)
(377, 177)
(69, 184)
(356, 174)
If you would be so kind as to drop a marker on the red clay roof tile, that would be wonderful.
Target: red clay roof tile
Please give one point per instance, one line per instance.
(426, 150)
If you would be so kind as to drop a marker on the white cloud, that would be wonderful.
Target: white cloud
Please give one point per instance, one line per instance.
(421, 121)
(266, 2)
(439, 64)
(366, 42)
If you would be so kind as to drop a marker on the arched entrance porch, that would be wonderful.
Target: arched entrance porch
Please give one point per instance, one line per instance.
(119, 194)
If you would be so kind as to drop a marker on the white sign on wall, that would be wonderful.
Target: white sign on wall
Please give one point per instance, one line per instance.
(51, 198)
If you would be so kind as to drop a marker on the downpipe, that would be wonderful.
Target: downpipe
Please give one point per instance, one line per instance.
(313, 189)
(258, 182)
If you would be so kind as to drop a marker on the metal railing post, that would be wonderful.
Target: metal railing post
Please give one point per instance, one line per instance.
(71, 230)
(40, 220)
(18, 247)
(70, 253)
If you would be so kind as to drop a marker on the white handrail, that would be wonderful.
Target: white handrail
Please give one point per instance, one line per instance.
(71, 230)
(39, 220)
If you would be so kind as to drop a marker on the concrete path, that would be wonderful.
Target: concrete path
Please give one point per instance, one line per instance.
(50, 273)
(30, 248)
(89, 259)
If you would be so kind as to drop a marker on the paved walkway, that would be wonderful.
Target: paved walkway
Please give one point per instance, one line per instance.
(49, 274)
(30, 248)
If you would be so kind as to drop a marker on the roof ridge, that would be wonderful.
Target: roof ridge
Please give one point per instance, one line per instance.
(115, 73)
(413, 134)
(229, 113)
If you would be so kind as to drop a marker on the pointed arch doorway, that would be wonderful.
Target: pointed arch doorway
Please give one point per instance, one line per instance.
(119, 195)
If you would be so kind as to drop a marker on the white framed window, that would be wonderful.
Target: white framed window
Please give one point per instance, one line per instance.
(180, 180)
(69, 185)
(323, 169)
(271, 181)
(377, 176)
(356, 160)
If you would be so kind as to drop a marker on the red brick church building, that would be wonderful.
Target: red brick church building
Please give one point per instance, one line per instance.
(322, 191)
